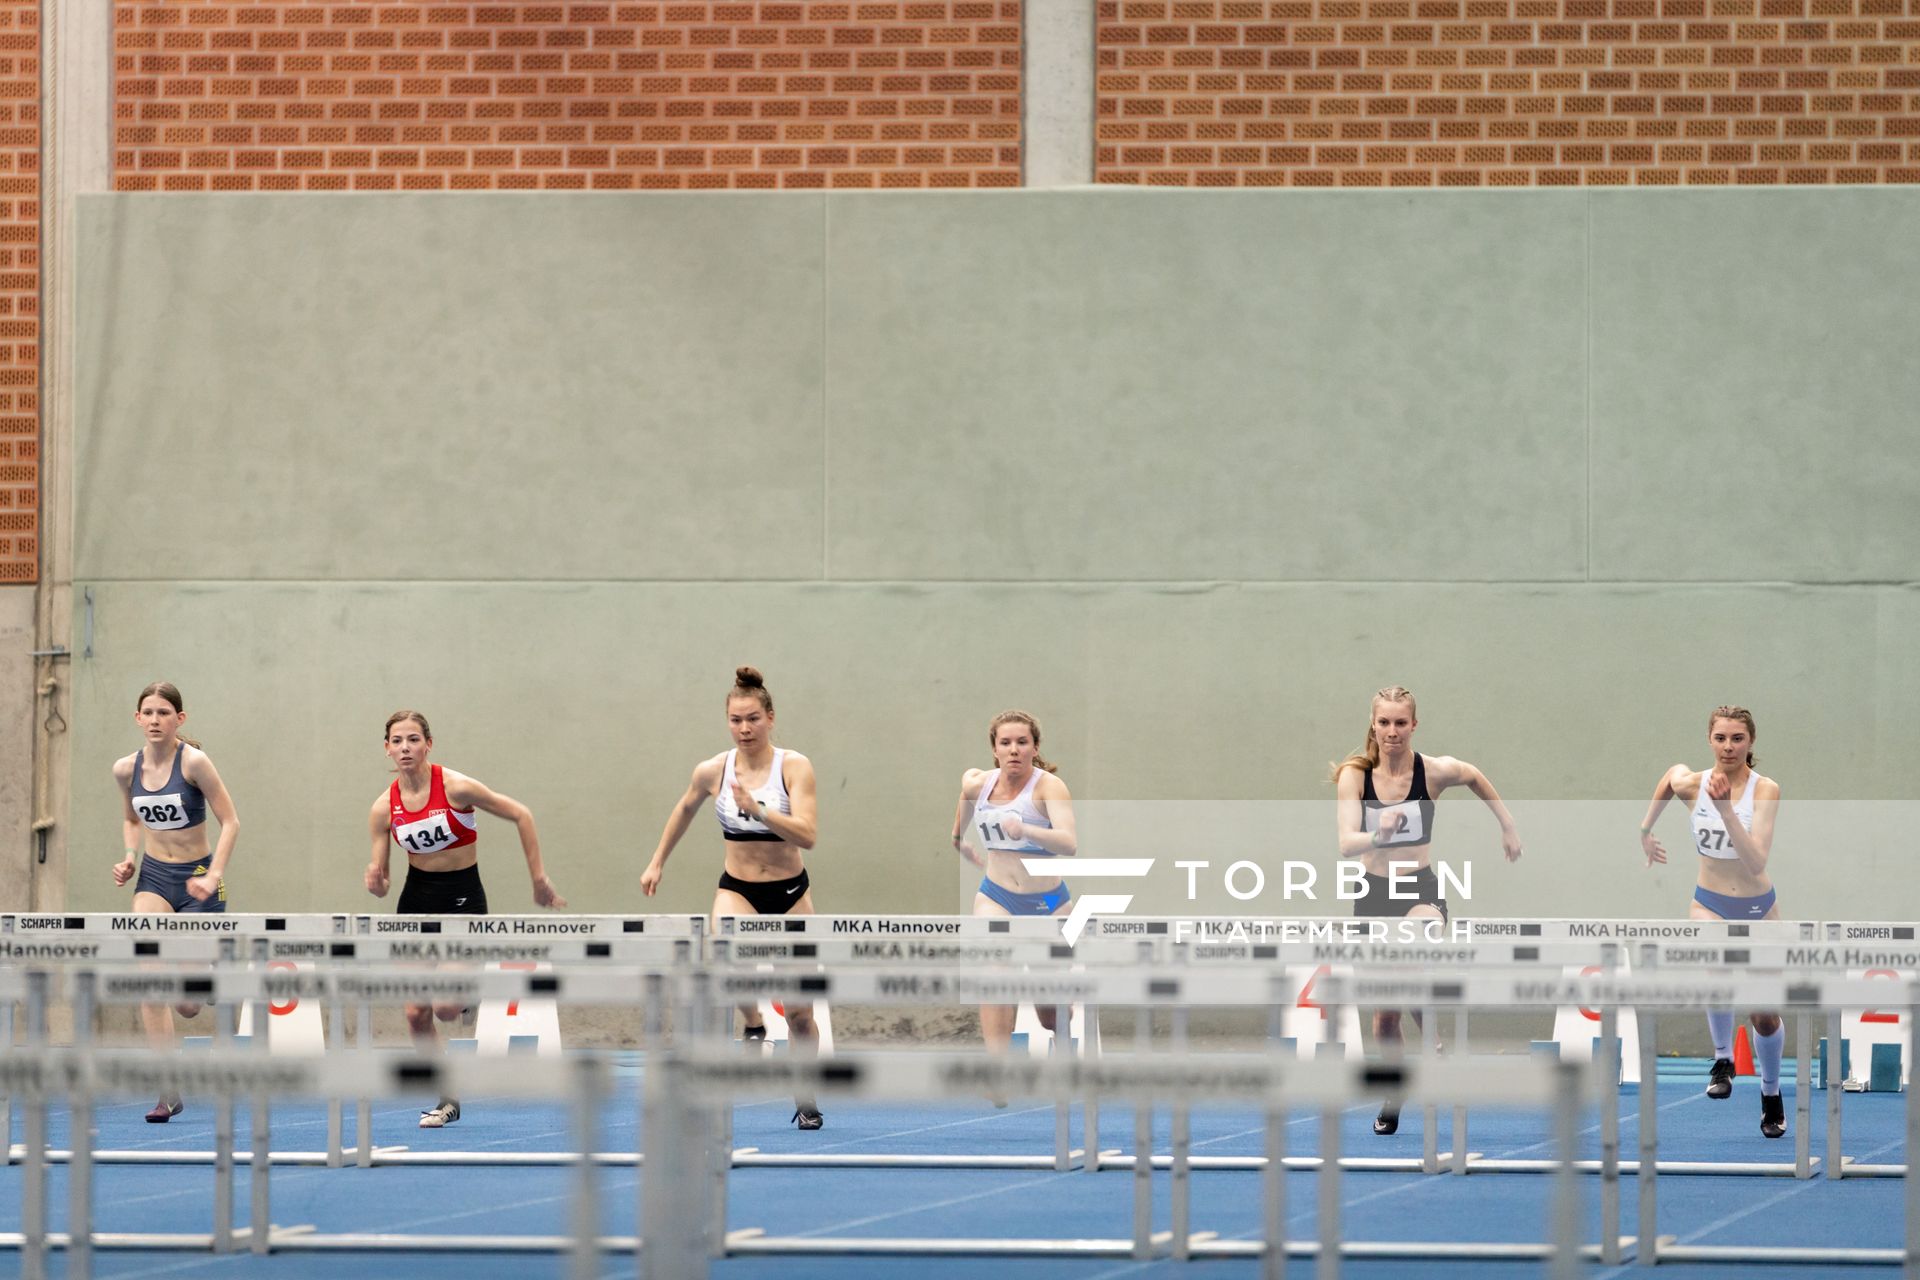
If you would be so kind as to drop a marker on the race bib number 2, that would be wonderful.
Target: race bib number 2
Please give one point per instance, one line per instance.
(1402, 823)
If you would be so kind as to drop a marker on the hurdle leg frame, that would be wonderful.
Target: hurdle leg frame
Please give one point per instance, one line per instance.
(33, 1189)
(224, 1018)
(1273, 1197)
(1911, 1192)
(1803, 1095)
(363, 1105)
(1142, 1144)
(336, 1111)
(80, 1141)
(1646, 1249)
(589, 1088)
(1430, 1111)
(1327, 1264)
(1564, 1262)
(1180, 1203)
(6, 1103)
(1831, 1078)
(671, 1244)
(1062, 1109)
(1090, 1105)
(1462, 1046)
(259, 1176)
(1609, 1095)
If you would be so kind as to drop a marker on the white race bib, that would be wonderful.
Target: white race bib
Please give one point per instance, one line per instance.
(161, 813)
(428, 834)
(1402, 823)
(990, 826)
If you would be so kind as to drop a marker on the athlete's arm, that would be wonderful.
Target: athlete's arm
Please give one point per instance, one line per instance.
(1052, 798)
(380, 827)
(799, 827)
(1756, 846)
(1445, 771)
(963, 816)
(131, 832)
(471, 793)
(1350, 815)
(1663, 791)
(198, 769)
(706, 776)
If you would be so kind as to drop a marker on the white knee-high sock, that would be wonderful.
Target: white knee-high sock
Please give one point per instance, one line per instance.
(1720, 1023)
(1766, 1056)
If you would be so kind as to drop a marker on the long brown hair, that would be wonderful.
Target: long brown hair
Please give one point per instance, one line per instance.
(168, 690)
(1741, 714)
(1033, 726)
(1368, 756)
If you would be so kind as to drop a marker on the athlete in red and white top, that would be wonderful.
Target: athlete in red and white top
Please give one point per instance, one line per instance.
(429, 813)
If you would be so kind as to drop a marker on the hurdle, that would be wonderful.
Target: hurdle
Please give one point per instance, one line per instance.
(200, 943)
(234, 982)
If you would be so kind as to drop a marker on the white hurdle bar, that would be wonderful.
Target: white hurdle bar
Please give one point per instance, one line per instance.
(681, 1242)
(1227, 985)
(42, 1075)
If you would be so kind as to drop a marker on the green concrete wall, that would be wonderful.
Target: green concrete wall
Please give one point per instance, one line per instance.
(1188, 475)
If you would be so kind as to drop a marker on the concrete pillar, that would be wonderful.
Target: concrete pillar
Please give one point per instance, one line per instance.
(1057, 95)
(76, 158)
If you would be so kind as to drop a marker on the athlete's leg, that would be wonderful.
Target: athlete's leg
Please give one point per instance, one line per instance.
(996, 1020)
(728, 903)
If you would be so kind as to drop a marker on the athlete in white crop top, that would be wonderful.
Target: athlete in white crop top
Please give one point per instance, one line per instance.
(763, 796)
(1732, 810)
(1017, 810)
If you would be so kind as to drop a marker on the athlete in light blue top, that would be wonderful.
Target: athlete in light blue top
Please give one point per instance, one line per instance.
(1732, 810)
(1017, 810)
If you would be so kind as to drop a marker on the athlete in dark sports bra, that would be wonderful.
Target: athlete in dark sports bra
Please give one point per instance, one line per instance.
(763, 796)
(1385, 796)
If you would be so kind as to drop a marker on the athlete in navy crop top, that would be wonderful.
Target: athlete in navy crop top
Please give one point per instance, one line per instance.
(763, 797)
(1732, 809)
(1017, 810)
(166, 789)
(1385, 793)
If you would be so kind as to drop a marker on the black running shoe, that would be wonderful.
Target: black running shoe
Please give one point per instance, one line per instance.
(1773, 1116)
(1388, 1121)
(754, 1038)
(807, 1116)
(1721, 1086)
(443, 1113)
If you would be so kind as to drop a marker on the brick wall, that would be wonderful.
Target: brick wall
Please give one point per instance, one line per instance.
(1420, 93)
(19, 290)
(281, 95)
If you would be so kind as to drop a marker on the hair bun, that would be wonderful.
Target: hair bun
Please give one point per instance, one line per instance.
(748, 678)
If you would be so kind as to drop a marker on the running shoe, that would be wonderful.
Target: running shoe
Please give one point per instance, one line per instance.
(1773, 1116)
(166, 1109)
(441, 1116)
(1721, 1086)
